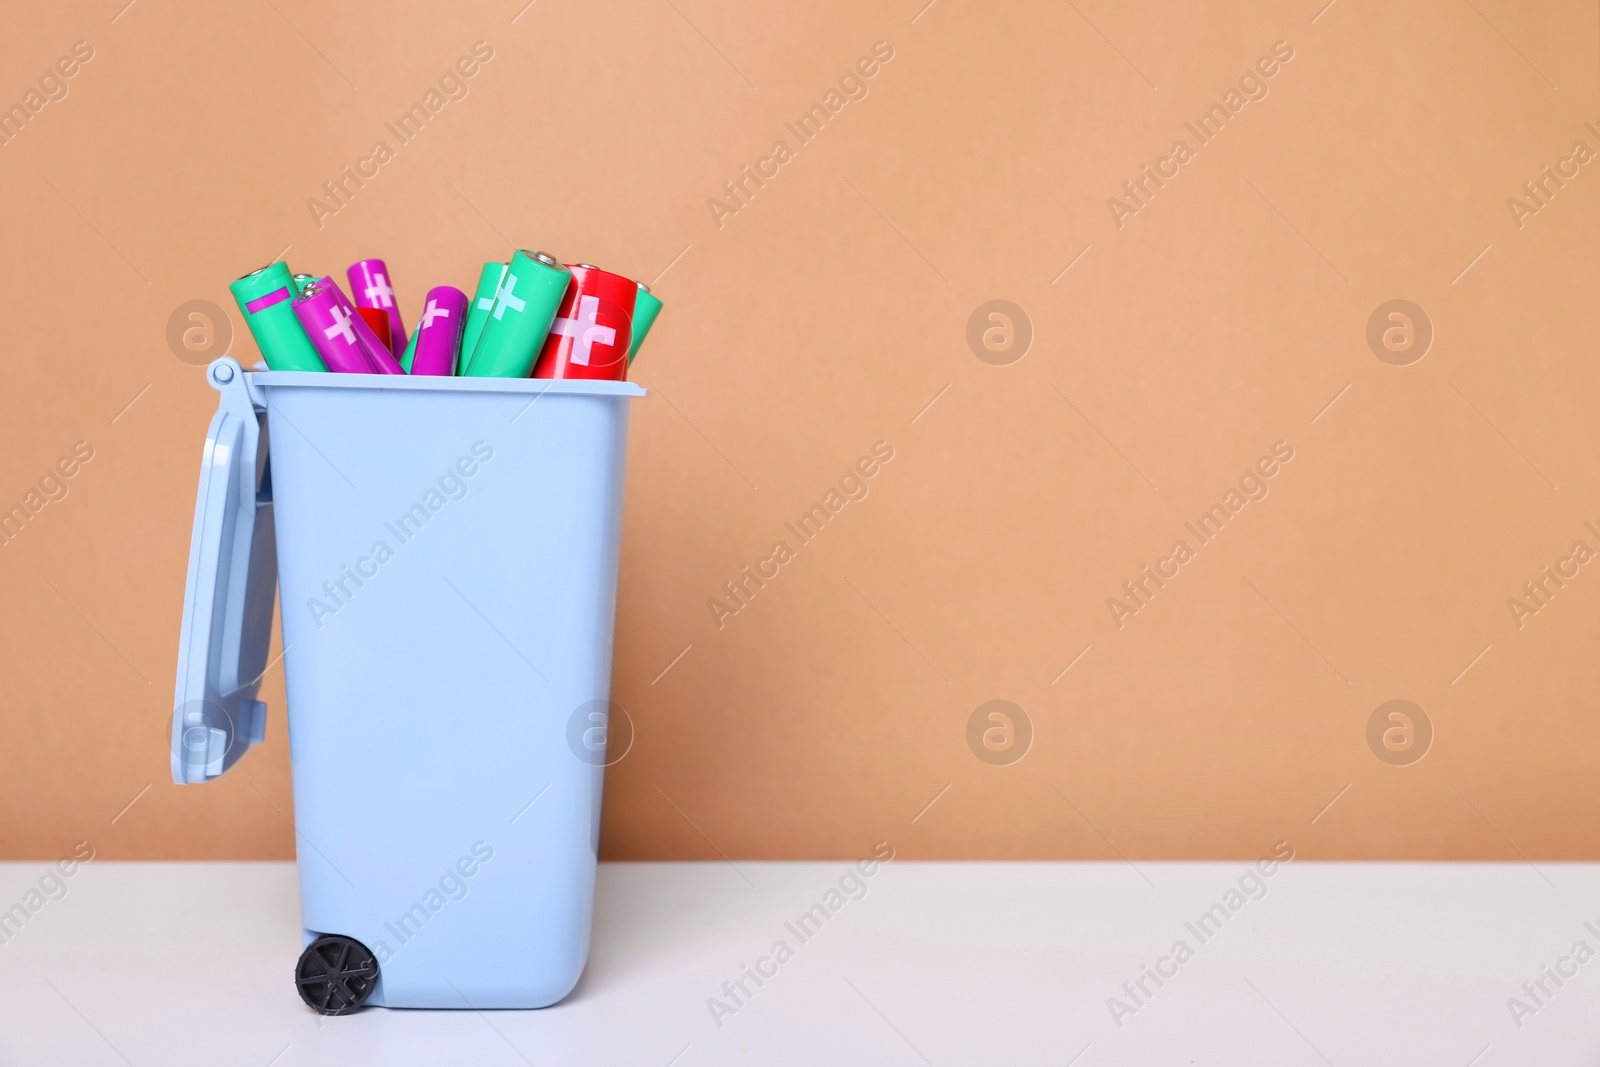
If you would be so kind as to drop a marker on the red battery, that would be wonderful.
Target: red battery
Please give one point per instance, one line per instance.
(378, 319)
(593, 327)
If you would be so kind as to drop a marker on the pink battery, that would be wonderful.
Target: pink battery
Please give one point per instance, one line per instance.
(344, 341)
(370, 285)
(444, 316)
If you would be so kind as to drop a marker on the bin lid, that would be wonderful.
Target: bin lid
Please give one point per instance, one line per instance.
(228, 596)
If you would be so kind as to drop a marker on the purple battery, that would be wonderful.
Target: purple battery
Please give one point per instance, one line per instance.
(382, 361)
(331, 330)
(344, 341)
(444, 316)
(369, 283)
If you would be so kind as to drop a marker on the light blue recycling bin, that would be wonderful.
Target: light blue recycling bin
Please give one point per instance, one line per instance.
(446, 551)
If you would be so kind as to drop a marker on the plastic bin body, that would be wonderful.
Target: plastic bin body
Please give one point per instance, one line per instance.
(447, 560)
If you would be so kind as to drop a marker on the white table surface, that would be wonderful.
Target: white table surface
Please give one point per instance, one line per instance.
(944, 964)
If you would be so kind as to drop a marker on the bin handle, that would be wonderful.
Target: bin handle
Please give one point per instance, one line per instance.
(228, 378)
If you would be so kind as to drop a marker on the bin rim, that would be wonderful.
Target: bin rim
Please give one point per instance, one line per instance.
(447, 384)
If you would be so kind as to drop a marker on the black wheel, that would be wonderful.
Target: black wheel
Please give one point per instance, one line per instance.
(335, 975)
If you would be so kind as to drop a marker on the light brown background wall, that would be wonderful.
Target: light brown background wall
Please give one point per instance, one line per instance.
(826, 315)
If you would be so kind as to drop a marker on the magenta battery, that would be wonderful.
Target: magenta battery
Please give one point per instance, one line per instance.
(383, 362)
(344, 341)
(331, 330)
(444, 316)
(370, 285)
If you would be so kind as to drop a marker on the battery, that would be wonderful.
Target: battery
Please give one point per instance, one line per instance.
(410, 352)
(525, 305)
(478, 311)
(437, 339)
(266, 297)
(369, 283)
(301, 281)
(377, 320)
(344, 340)
(591, 332)
(645, 310)
(377, 349)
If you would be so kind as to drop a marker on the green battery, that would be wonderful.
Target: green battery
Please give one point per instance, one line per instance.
(267, 297)
(410, 353)
(478, 311)
(645, 310)
(517, 323)
(303, 280)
